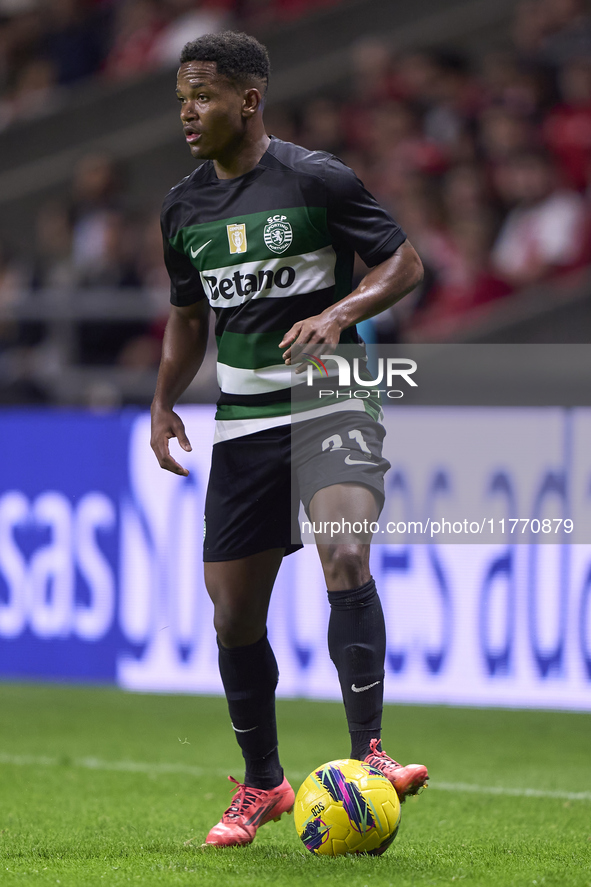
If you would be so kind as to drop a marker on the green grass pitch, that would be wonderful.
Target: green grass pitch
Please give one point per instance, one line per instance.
(102, 787)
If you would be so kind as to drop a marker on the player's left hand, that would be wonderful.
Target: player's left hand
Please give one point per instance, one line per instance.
(315, 335)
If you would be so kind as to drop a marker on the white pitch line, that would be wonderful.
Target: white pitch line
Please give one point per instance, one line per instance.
(513, 792)
(97, 764)
(154, 769)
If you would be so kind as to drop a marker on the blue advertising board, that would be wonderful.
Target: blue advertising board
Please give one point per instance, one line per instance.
(101, 575)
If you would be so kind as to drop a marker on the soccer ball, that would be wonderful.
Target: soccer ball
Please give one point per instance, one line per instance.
(346, 806)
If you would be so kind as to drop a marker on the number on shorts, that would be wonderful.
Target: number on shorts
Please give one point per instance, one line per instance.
(335, 441)
(357, 435)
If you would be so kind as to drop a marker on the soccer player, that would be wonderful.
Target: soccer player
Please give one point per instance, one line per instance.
(265, 232)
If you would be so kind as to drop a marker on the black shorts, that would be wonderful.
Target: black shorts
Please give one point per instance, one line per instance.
(257, 481)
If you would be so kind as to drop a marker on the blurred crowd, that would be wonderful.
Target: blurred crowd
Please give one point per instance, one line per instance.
(94, 240)
(486, 163)
(47, 46)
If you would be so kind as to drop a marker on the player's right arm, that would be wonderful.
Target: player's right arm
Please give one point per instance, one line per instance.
(183, 350)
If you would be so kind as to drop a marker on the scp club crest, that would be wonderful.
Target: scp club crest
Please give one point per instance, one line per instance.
(278, 233)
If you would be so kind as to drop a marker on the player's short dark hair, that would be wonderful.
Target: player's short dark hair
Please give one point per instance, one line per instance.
(238, 56)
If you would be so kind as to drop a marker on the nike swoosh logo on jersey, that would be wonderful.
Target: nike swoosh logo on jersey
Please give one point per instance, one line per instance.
(350, 461)
(195, 253)
(362, 689)
(250, 729)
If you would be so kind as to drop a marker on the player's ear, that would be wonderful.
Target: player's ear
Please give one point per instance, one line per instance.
(252, 101)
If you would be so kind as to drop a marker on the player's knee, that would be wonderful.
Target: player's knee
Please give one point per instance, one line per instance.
(346, 566)
(229, 631)
(236, 629)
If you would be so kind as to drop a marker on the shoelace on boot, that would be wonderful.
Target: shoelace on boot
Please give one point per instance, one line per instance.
(374, 750)
(244, 796)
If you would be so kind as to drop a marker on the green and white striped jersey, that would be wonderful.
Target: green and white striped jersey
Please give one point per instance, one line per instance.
(267, 249)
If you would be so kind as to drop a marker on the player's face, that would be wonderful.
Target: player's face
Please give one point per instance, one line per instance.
(211, 112)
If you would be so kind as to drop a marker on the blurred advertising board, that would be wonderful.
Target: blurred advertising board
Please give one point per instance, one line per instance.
(101, 577)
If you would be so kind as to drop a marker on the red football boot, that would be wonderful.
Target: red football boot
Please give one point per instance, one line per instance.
(250, 808)
(406, 780)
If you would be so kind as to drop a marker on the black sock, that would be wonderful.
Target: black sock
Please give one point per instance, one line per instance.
(249, 675)
(357, 646)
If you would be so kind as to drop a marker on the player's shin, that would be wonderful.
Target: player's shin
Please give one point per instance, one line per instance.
(249, 675)
(357, 646)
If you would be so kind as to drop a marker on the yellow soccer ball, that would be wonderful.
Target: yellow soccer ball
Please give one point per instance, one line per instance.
(346, 806)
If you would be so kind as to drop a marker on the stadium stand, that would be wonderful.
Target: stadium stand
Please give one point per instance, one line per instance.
(472, 124)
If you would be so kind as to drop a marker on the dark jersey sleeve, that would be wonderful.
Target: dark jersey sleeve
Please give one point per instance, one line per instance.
(185, 281)
(356, 218)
